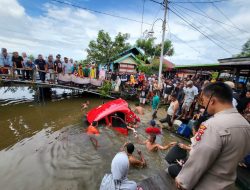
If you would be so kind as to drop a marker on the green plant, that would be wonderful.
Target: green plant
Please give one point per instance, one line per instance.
(105, 89)
(147, 69)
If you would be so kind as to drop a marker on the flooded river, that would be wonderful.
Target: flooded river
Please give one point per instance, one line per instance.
(44, 145)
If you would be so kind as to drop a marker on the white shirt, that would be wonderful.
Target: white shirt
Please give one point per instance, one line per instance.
(67, 68)
(190, 93)
(171, 109)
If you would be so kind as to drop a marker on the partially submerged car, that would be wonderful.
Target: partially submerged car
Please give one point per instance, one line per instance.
(115, 113)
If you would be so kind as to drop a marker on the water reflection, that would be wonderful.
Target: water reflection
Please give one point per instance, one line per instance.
(44, 146)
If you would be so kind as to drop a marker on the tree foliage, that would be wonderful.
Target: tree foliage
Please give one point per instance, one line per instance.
(153, 52)
(106, 88)
(31, 57)
(245, 50)
(151, 49)
(103, 49)
(152, 68)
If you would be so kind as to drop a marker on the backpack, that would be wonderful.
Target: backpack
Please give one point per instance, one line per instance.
(184, 130)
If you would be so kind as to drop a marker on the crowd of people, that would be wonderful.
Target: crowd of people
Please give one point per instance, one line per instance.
(218, 114)
(210, 161)
(26, 68)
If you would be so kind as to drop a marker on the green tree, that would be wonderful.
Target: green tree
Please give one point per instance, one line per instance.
(153, 52)
(147, 45)
(31, 57)
(245, 50)
(168, 49)
(104, 49)
(151, 49)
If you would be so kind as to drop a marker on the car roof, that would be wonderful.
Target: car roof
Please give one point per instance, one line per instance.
(98, 113)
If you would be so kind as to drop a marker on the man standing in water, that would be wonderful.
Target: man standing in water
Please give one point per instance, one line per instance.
(92, 129)
(152, 146)
(118, 177)
(218, 146)
(133, 161)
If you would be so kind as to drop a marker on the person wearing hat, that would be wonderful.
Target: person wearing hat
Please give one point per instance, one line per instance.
(152, 123)
(42, 67)
(58, 64)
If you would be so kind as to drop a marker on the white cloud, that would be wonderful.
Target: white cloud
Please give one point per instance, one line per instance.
(68, 30)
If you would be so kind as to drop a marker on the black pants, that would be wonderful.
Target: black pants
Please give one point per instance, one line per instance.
(20, 72)
(167, 119)
(29, 74)
(42, 76)
(174, 170)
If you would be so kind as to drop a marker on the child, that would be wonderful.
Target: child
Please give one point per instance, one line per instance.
(85, 105)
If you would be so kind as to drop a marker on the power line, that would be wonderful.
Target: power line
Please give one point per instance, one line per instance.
(229, 45)
(156, 2)
(197, 29)
(203, 33)
(221, 12)
(95, 11)
(142, 15)
(205, 15)
(222, 26)
(215, 1)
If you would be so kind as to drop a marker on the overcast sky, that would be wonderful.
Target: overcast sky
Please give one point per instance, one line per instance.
(48, 27)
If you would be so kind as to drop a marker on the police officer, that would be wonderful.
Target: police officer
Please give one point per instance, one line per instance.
(220, 143)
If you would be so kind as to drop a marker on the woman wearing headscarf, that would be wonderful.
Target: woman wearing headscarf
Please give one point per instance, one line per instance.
(132, 79)
(118, 180)
(117, 84)
(93, 72)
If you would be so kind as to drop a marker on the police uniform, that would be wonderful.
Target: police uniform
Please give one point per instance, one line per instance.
(221, 142)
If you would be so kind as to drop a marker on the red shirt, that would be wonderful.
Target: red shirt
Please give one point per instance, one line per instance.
(141, 77)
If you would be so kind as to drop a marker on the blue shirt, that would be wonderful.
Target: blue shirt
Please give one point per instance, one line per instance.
(30, 65)
(155, 102)
(5, 61)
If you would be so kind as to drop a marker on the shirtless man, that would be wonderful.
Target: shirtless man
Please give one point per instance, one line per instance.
(133, 161)
(85, 105)
(152, 146)
(139, 109)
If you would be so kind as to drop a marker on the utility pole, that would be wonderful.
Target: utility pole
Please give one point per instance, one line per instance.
(163, 39)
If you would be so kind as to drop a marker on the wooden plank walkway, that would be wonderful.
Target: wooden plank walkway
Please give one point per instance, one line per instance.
(160, 181)
(55, 86)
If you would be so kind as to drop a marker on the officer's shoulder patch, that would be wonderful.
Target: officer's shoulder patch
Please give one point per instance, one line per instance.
(200, 132)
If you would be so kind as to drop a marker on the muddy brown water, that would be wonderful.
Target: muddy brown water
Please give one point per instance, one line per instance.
(44, 145)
